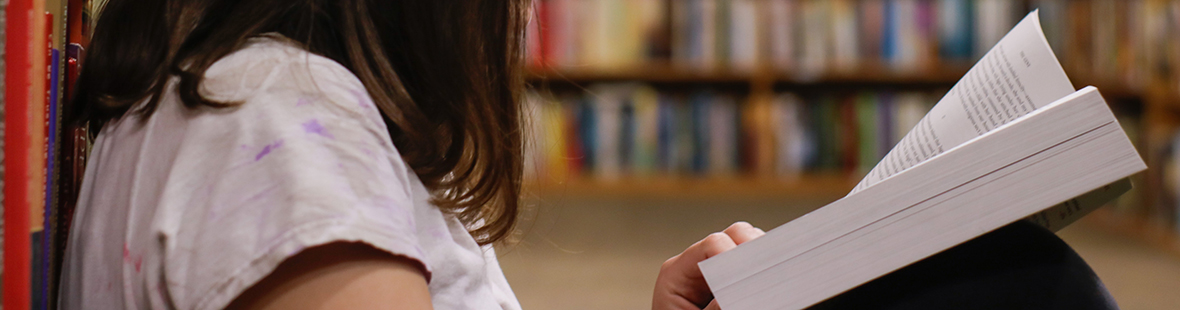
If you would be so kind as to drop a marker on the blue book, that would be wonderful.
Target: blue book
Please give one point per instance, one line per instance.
(699, 107)
(889, 33)
(627, 131)
(45, 244)
(955, 33)
(666, 136)
(587, 131)
(683, 145)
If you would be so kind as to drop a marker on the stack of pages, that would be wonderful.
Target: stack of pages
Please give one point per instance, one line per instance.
(1011, 140)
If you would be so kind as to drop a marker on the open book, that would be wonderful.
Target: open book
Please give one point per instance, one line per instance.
(1011, 140)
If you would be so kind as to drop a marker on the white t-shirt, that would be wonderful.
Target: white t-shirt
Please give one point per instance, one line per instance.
(189, 207)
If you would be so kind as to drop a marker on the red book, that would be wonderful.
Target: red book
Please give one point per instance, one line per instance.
(24, 91)
(848, 135)
(545, 23)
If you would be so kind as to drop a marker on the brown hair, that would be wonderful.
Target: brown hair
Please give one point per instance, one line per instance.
(445, 75)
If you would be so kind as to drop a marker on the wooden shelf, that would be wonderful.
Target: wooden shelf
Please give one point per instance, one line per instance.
(869, 74)
(645, 73)
(812, 186)
(1155, 234)
(656, 73)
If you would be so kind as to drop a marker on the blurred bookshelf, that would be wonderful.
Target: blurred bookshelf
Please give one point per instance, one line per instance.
(799, 98)
(665, 187)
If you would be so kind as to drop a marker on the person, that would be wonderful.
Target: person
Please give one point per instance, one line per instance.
(308, 154)
(353, 154)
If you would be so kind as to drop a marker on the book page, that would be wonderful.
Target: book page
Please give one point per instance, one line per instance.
(1018, 75)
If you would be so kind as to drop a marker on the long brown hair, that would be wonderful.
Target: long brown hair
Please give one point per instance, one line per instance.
(445, 75)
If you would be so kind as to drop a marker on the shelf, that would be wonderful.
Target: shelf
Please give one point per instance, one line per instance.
(655, 73)
(867, 76)
(645, 73)
(814, 187)
(1153, 233)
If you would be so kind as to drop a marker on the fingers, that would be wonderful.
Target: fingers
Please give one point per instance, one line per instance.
(680, 284)
(714, 244)
(713, 306)
(680, 279)
(741, 232)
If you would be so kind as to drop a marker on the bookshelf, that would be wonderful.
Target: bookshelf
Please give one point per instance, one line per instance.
(875, 74)
(812, 186)
(746, 52)
(1130, 50)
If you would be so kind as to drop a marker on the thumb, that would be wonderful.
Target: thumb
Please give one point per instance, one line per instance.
(713, 306)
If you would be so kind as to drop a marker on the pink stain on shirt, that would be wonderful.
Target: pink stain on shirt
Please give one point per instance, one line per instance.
(313, 127)
(266, 149)
(302, 102)
(362, 98)
(136, 261)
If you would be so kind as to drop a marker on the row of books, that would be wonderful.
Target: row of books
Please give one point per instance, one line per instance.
(1166, 208)
(1131, 42)
(42, 155)
(634, 130)
(1128, 39)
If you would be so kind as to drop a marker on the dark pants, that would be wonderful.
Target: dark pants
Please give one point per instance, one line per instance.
(1019, 266)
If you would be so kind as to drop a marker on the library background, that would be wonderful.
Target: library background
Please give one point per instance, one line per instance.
(656, 122)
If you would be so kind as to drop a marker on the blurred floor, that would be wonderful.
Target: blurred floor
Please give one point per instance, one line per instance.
(605, 252)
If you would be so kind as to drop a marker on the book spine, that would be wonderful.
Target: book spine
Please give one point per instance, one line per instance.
(53, 131)
(782, 33)
(588, 134)
(534, 48)
(885, 120)
(24, 97)
(684, 150)
(645, 102)
(848, 135)
(870, 16)
(889, 32)
(866, 125)
(624, 130)
(73, 146)
(844, 35)
(575, 152)
(955, 30)
(627, 140)
(722, 135)
(699, 107)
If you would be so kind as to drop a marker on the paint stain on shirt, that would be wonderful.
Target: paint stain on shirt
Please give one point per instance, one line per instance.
(313, 127)
(362, 98)
(137, 261)
(266, 149)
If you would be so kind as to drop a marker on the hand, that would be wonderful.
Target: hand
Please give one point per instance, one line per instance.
(681, 285)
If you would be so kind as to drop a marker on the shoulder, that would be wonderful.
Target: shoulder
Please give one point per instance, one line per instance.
(283, 97)
(272, 66)
(303, 159)
(278, 89)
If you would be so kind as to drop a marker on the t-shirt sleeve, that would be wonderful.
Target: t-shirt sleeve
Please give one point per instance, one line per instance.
(299, 163)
